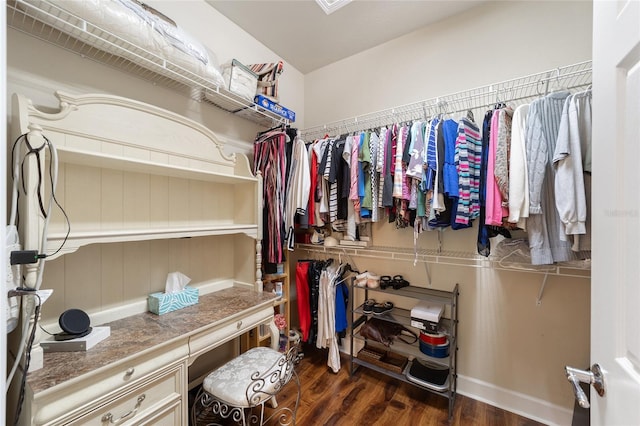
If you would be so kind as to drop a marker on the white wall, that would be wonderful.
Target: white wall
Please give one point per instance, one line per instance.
(489, 43)
(512, 352)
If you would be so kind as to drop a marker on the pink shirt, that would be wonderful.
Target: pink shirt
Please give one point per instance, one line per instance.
(493, 210)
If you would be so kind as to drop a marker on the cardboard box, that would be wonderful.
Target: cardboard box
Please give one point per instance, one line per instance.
(426, 316)
(427, 311)
(161, 303)
(424, 325)
(385, 359)
(269, 105)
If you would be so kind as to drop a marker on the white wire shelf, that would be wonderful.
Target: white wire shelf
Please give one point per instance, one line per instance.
(578, 269)
(47, 21)
(514, 92)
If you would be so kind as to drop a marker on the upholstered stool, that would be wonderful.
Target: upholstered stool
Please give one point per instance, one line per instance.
(240, 388)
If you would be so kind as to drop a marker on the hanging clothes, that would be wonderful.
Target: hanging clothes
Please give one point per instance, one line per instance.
(315, 270)
(493, 212)
(400, 191)
(297, 194)
(544, 225)
(416, 154)
(342, 303)
(355, 177)
(442, 206)
(430, 156)
(501, 164)
(414, 173)
(313, 179)
(572, 184)
(322, 189)
(448, 173)
(303, 299)
(467, 158)
(486, 232)
(339, 177)
(380, 164)
(339, 181)
(450, 176)
(389, 166)
(518, 172)
(327, 336)
(270, 159)
(374, 142)
(364, 181)
(348, 187)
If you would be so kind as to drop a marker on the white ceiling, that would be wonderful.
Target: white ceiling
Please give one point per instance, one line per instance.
(302, 34)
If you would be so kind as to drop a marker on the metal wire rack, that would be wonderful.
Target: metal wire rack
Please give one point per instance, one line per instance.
(515, 91)
(578, 269)
(51, 23)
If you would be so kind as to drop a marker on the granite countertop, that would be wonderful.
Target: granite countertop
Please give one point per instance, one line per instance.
(134, 334)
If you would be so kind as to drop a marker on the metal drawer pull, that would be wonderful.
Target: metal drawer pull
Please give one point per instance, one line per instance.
(109, 417)
(239, 325)
(129, 371)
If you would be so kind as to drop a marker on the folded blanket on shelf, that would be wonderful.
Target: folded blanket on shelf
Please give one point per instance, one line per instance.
(132, 30)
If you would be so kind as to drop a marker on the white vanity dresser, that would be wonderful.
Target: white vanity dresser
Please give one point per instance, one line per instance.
(146, 191)
(139, 375)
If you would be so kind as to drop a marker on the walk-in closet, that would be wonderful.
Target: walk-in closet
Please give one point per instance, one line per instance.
(321, 212)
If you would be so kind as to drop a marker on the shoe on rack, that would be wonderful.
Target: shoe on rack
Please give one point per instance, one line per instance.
(385, 282)
(368, 305)
(399, 282)
(318, 236)
(373, 280)
(361, 279)
(381, 308)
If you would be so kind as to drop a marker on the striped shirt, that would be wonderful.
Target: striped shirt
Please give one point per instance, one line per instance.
(431, 155)
(397, 171)
(468, 153)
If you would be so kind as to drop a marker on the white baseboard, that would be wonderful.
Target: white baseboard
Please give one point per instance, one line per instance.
(515, 402)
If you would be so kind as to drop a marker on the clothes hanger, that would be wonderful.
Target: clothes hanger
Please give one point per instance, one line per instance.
(556, 86)
(424, 112)
(469, 115)
(499, 104)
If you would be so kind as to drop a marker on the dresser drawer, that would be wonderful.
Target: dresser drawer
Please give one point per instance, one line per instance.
(169, 414)
(141, 404)
(165, 369)
(217, 335)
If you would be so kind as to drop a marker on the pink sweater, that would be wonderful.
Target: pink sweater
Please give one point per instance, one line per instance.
(493, 202)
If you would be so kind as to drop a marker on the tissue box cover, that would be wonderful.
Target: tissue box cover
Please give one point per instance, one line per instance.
(161, 303)
(269, 105)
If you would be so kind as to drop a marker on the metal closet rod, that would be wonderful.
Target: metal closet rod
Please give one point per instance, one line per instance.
(512, 91)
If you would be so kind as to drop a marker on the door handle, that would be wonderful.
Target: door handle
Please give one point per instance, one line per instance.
(593, 377)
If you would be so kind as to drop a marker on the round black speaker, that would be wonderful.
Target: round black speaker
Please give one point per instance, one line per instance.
(74, 321)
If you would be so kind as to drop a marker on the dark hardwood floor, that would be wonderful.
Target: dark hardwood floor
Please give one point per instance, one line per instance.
(370, 398)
